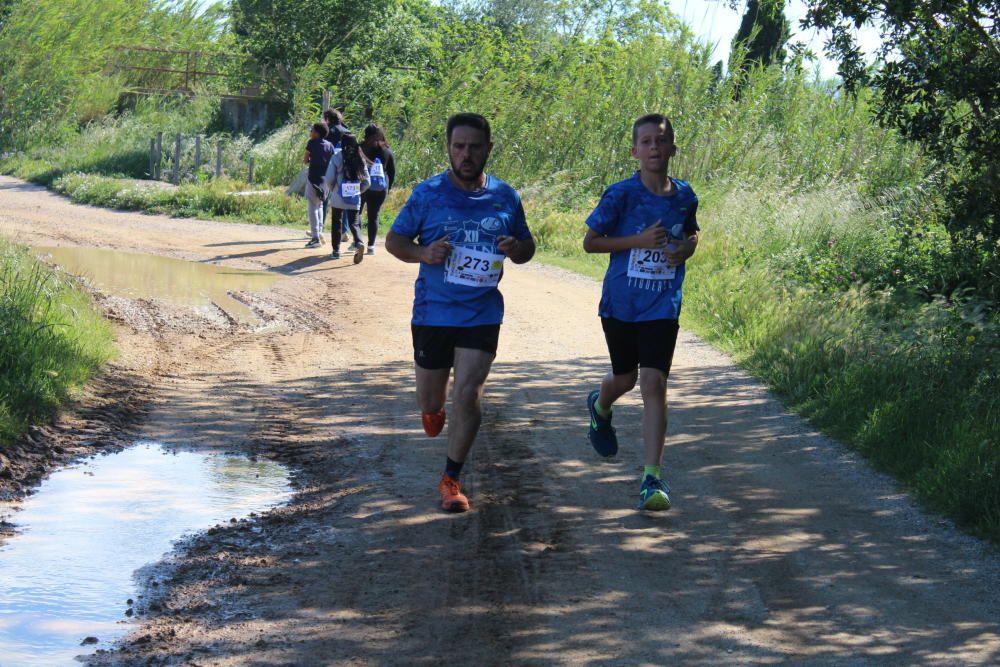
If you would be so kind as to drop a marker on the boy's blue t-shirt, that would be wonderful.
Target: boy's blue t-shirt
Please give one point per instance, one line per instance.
(320, 152)
(471, 221)
(627, 208)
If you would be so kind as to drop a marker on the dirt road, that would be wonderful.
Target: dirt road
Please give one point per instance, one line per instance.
(781, 547)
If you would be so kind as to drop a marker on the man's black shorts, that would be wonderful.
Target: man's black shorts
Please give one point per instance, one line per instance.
(644, 344)
(434, 347)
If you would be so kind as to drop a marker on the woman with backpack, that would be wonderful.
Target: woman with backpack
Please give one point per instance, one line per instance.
(382, 168)
(346, 179)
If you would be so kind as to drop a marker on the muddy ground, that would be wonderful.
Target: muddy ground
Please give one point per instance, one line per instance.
(781, 547)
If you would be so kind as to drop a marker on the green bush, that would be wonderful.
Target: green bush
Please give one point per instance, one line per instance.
(51, 340)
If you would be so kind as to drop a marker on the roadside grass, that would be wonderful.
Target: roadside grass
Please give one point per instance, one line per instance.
(213, 199)
(51, 340)
(217, 199)
(913, 383)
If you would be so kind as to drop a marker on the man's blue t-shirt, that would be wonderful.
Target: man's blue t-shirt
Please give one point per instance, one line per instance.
(444, 294)
(320, 152)
(636, 289)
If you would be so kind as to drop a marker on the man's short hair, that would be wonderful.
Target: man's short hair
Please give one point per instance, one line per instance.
(652, 119)
(472, 120)
(321, 129)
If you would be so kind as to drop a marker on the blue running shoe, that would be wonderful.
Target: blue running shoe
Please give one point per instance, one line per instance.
(601, 433)
(654, 495)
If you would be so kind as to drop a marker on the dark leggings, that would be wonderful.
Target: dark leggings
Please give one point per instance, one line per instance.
(350, 219)
(374, 200)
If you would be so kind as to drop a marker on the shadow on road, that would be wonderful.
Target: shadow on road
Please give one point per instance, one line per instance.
(776, 550)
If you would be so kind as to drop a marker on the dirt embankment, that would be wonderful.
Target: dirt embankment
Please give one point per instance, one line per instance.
(781, 547)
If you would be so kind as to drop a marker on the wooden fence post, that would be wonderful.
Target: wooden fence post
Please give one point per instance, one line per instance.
(218, 158)
(176, 180)
(326, 100)
(197, 155)
(250, 171)
(152, 158)
(159, 154)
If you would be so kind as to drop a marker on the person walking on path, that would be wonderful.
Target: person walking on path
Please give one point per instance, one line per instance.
(319, 151)
(648, 224)
(334, 119)
(460, 225)
(346, 179)
(382, 168)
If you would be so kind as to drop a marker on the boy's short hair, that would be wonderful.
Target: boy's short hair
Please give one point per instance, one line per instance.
(321, 129)
(652, 119)
(333, 117)
(472, 120)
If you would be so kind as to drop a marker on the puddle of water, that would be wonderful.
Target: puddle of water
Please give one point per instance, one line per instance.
(176, 281)
(68, 572)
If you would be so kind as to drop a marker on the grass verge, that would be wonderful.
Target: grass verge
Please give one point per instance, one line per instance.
(51, 340)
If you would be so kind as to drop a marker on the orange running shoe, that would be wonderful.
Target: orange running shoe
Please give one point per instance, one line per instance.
(433, 423)
(452, 498)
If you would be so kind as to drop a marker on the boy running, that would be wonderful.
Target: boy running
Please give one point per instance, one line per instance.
(460, 226)
(648, 223)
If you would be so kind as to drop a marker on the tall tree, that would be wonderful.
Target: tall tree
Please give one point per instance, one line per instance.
(939, 79)
(762, 33)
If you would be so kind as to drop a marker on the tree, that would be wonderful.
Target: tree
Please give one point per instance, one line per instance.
(762, 33)
(939, 84)
(281, 36)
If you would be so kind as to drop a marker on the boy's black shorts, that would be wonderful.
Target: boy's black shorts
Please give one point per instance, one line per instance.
(640, 344)
(434, 347)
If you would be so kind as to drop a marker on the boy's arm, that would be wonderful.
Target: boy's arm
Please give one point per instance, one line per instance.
(680, 252)
(308, 155)
(653, 237)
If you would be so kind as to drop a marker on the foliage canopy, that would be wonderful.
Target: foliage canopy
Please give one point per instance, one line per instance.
(939, 85)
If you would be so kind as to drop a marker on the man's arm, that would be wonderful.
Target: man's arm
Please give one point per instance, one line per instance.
(406, 249)
(519, 252)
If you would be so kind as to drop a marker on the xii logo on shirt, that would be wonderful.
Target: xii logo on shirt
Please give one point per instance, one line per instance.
(477, 234)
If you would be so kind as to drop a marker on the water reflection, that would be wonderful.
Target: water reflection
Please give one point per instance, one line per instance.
(176, 281)
(68, 572)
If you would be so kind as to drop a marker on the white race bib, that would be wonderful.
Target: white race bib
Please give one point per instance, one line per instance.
(376, 170)
(349, 189)
(474, 268)
(650, 264)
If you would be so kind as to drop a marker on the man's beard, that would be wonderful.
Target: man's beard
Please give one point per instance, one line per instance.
(477, 175)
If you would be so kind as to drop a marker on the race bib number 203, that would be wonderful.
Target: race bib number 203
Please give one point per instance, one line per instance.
(650, 264)
(474, 268)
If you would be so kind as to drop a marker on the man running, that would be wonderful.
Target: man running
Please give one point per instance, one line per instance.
(460, 226)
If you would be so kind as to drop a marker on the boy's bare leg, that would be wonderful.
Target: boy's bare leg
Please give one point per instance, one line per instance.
(614, 387)
(653, 386)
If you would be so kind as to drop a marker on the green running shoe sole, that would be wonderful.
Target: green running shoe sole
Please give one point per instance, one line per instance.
(656, 502)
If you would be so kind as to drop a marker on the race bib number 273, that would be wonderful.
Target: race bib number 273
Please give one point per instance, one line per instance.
(474, 268)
